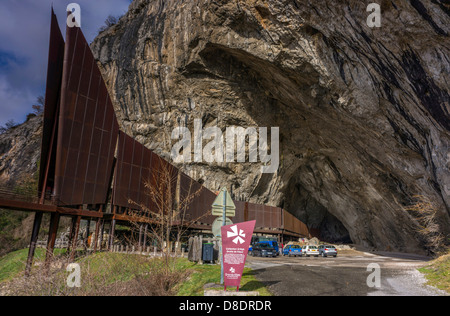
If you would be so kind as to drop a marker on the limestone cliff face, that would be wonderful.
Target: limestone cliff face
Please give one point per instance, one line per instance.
(363, 113)
(20, 151)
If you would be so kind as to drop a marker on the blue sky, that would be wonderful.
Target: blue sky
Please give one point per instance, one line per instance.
(24, 36)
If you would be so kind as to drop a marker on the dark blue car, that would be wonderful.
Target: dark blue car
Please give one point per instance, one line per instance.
(272, 244)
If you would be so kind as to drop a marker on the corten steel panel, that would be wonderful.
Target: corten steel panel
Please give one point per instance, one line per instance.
(136, 167)
(293, 224)
(240, 212)
(277, 217)
(197, 200)
(164, 176)
(267, 217)
(133, 170)
(255, 214)
(259, 209)
(52, 96)
(88, 128)
(288, 221)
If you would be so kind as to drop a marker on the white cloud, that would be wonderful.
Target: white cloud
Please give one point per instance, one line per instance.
(24, 34)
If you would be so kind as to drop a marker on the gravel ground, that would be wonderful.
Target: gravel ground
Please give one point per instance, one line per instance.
(345, 275)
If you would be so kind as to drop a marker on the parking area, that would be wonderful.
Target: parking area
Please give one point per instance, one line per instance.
(347, 274)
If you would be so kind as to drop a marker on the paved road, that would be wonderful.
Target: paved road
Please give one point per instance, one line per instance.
(345, 275)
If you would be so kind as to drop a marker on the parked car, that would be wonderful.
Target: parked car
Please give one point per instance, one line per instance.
(310, 251)
(327, 250)
(264, 250)
(292, 250)
(273, 244)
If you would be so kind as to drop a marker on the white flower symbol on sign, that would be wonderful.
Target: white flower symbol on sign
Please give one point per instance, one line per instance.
(239, 235)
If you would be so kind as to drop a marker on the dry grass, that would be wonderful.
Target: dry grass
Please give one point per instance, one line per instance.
(438, 272)
(425, 213)
(102, 274)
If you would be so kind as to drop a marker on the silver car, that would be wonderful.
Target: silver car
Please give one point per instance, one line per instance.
(327, 250)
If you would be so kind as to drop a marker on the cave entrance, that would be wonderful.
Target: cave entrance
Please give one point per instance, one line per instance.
(319, 220)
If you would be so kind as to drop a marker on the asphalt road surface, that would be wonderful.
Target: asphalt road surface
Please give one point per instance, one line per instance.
(346, 275)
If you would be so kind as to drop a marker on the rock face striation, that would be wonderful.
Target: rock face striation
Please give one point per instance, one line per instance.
(20, 151)
(363, 112)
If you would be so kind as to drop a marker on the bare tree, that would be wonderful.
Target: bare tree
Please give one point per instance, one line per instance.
(38, 108)
(166, 213)
(10, 124)
(110, 21)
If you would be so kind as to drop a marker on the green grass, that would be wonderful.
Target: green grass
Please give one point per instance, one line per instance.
(438, 273)
(104, 268)
(115, 267)
(206, 274)
(111, 267)
(13, 264)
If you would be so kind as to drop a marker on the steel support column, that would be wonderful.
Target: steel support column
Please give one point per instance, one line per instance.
(54, 223)
(111, 234)
(33, 242)
(97, 231)
(102, 232)
(76, 230)
(71, 234)
(88, 232)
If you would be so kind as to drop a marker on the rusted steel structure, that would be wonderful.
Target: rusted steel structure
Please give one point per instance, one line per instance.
(92, 170)
(138, 167)
(87, 130)
(54, 75)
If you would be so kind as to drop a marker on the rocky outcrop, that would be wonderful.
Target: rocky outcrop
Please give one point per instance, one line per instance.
(20, 152)
(363, 112)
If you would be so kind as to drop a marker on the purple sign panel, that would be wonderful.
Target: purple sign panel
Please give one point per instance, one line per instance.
(236, 240)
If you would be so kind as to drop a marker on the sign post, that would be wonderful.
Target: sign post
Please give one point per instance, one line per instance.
(224, 220)
(235, 243)
(223, 206)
